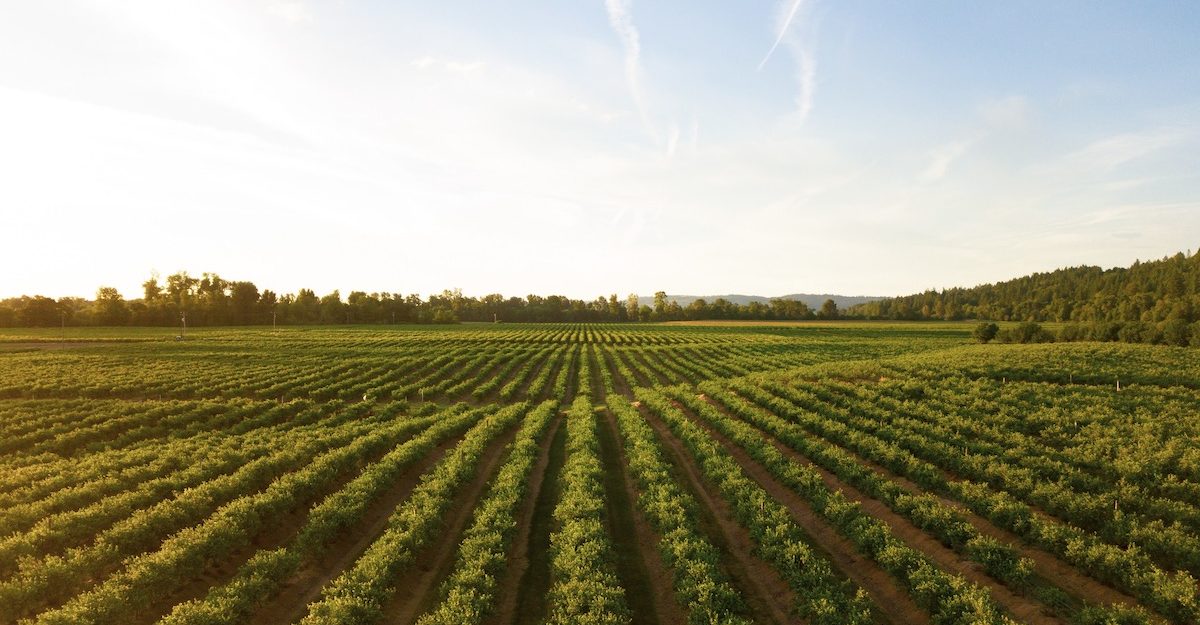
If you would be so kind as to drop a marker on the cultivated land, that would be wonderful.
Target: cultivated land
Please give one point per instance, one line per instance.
(650, 474)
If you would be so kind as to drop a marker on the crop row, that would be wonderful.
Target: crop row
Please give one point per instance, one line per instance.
(359, 593)
(821, 595)
(585, 587)
(1172, 594)
(268, 570)
(467, 595)
(144, 577)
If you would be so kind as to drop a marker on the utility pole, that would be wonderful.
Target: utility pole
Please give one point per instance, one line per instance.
(273, 328)
(182, 324)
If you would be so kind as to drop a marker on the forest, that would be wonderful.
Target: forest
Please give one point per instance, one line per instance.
(211, 300)
(1153, 291)
(1150, 302)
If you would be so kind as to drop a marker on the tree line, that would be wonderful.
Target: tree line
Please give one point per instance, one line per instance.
(1153, 302)
(210, 300)
(1155, 291)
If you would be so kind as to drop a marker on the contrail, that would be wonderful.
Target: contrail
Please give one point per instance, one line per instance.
(783, 28)
(622, 24)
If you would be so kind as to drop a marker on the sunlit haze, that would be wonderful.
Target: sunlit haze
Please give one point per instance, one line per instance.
(586, 148)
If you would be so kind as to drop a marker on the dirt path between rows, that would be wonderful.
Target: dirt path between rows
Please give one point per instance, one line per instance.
(417, 587)
(766, 593)
(1024, 608)
(282, 529)
(1067, 577)
(597, 379)
(521, 593)
(647, 580)
(1070, 579)
(620, 385)
(291, 603)
(885, 591)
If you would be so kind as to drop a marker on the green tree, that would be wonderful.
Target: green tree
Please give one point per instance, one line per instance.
(332, 308)
(660, 305)
(829, 310)
(985, 332)
(38, 311)
(110, 308)
(243, 302)
(615, 311)
(306, 307)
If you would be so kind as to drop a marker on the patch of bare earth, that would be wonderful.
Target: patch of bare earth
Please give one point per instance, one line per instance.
(766, 593)
(417, 587)
(521, 591)
(884, 590)
(648, 582)
(291, 603)
(1067, 577)
(1026, 609)
(283, 528)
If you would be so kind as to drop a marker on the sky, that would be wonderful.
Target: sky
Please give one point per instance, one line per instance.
(593, 147)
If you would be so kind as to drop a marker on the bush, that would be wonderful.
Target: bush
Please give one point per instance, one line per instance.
(1105, 331)
(1176, 332)
(1072, 332)
(1027, 332)
(985, 332)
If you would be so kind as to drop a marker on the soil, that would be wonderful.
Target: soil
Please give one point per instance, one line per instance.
(648, 582)
(521, 594)
(283, 528)
(291, 603)
(895, 603)
(1024, 608)
(417, 587)
(766, 593)
(1070, 579)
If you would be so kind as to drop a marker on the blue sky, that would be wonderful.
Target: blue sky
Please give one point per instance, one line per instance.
(586, 148)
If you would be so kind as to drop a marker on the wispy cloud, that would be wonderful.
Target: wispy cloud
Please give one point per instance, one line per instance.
(942, 157)
(788, 16)
(621, 20)
(995, 117)
(1111, 152)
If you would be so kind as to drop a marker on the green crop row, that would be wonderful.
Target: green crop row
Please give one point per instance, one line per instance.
(821, 596)
(358, 594)
(585, 590)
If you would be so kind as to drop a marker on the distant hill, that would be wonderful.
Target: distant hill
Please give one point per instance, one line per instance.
(812, 300)
(1154, 291)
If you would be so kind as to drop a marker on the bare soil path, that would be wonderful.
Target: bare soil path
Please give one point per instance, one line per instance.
(649, 585)
(1026, 609)
(305, 586)
(284, 527)
(417, 587)
(883, 589)
(1067, 577)
(767, 595)
(521, 596)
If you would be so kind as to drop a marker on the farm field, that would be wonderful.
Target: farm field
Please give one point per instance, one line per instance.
(812, 473)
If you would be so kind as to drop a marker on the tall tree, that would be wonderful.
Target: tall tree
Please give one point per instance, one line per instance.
(110, 308)
(829, 310)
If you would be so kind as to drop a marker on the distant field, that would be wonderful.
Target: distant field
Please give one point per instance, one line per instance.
(819, 472)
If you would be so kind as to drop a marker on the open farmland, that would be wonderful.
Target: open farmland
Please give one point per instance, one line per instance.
(576, 473)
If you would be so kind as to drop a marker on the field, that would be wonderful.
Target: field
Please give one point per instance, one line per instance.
(647, 474)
